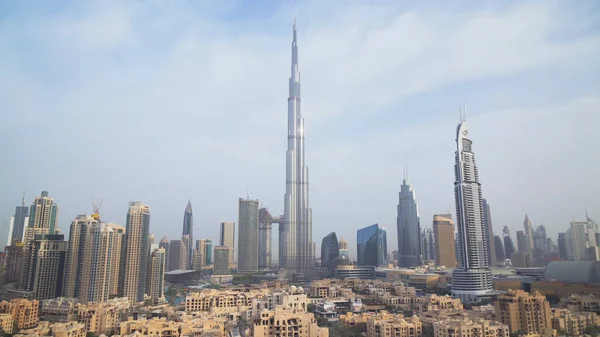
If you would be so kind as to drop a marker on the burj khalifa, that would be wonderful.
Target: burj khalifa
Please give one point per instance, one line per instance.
(296, 249)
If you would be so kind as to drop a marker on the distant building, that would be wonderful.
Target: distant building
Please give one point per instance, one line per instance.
(164, 244)
(329, 249)
(371, 244)
(46, 257)
(443, 229)
(132, 280)
(265, 247)
(509, 247)
(188, 229)
(13, 263)
(227, 238)
(177, 250)
(499, 247)
(491, 245)
(248, 236)
(408, 227)
(528, 231)
(18, 223)
(221, 264)
(156, 271)
(523, 242)
(208, 247)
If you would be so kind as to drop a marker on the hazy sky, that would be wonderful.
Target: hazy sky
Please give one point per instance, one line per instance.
(163, 101)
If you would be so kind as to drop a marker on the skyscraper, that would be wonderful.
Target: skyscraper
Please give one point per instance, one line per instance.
(409, 228)
(528, 229)
(248, 236)
(562, 246)
(265, 223)
(188, 229)
(499, 247)
(523, 242)
(227, 238)
(107, 242)
(344, 252)
(487, 220)
(371, 246)
(296, 241)
(540, 239)
(47, 259)
(509, 247)
(43, 215)
(156, 276)
(472, 278)
(443, 231)
(132, 280)
(177, 252)
(18, 222)
(208, 252)
(221, 265)
(330, 249)
(79, 256)
(164, 243)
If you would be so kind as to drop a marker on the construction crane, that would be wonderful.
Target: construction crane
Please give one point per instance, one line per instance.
(96, 213)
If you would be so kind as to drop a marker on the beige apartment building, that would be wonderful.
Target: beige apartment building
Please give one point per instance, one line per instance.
(6, 323)
(390, 325)
(573, 323)
(135, 263)
(103, 318)
(468, 328)
(524, 312)
(24, 312)
(69, 329)
(577, 302)
(443, 232)
(156, 276)
(286, 322)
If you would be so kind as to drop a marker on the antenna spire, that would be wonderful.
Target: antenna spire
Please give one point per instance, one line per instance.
(294, 14)
(23, 199)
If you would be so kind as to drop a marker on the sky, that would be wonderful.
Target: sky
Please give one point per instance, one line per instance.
(165, 101)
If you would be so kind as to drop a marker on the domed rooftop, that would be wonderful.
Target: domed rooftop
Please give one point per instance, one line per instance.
(573, 271)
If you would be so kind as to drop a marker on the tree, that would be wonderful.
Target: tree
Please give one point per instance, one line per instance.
(311, 307)
(428, 330)
(90, 334)
(593, 330)
(408, 313)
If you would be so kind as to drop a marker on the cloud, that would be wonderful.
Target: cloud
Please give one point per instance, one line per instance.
(163, 102)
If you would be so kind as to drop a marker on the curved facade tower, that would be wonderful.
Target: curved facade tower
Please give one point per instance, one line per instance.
(188, 229)
(472, 278)
(296, 252)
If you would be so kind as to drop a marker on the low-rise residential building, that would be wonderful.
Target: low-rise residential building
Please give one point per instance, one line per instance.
(286, 322)
(524, 312)
(153, 327)
(573, 323)
(60, 309)
(469, 328)
(385, 324)
(69, 329)
(6, 323)
(25, 313)
(577, 302)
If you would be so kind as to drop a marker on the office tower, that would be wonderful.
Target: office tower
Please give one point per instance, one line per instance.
(42, 220)
(164, 244)
(296, 240)
(221, 265)
(523, 242)
(428, 245)
(227, 238)
(499, 247)
(472, 278)
(188, 229)
(562, 246)
(46, 257)
(487, 220)
(443, 231)
(13, 264)
(79, 256)
(528, 230)
(540, 239)
(18, 223)
(509, 247)
(524, 313)
(409, 228)
(135, 254)
(248, 236)
(208, 252)
(371, 246)
(580, 236)
(156, 276)
(265, 223)
(330, 249)
(177, 250)
(187, 243)
(344, 251)
(506, 231)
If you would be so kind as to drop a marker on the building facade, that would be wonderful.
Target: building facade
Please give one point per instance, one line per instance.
(188, 229)
(265, 225)
(491, 244)
(330, 249)
(524, 312)
(156, 271)
(135, 253)
(472, 278)
(371, 246)
(177, 252)
(248, 236)
(221, 264)
(409, 227)
(443, 231)
(227, 239)
(46, 258)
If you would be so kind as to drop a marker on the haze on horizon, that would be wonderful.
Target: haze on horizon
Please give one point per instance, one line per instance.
(165, 101)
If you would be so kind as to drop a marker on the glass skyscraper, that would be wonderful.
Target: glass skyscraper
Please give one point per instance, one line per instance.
(330, 249)
(371, 246)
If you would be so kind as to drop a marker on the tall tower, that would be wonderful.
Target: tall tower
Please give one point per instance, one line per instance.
(472, 278)
(43, 215)
(46, 257)
(156, 275)
(265, 223)
(188, 229)
(248, 236)
(79, 257)
(296, 253)
(487, 220)
(227, 238)
(409, 227)
(443, 231)
(135, 254)
(18, 223)
(371, 246)
(528, 229)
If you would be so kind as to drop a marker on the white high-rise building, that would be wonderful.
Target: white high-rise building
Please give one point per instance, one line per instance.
(295, 251)
(472, 278)
(132, 279)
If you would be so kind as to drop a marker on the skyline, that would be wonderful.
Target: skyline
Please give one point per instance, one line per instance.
(363, 141)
